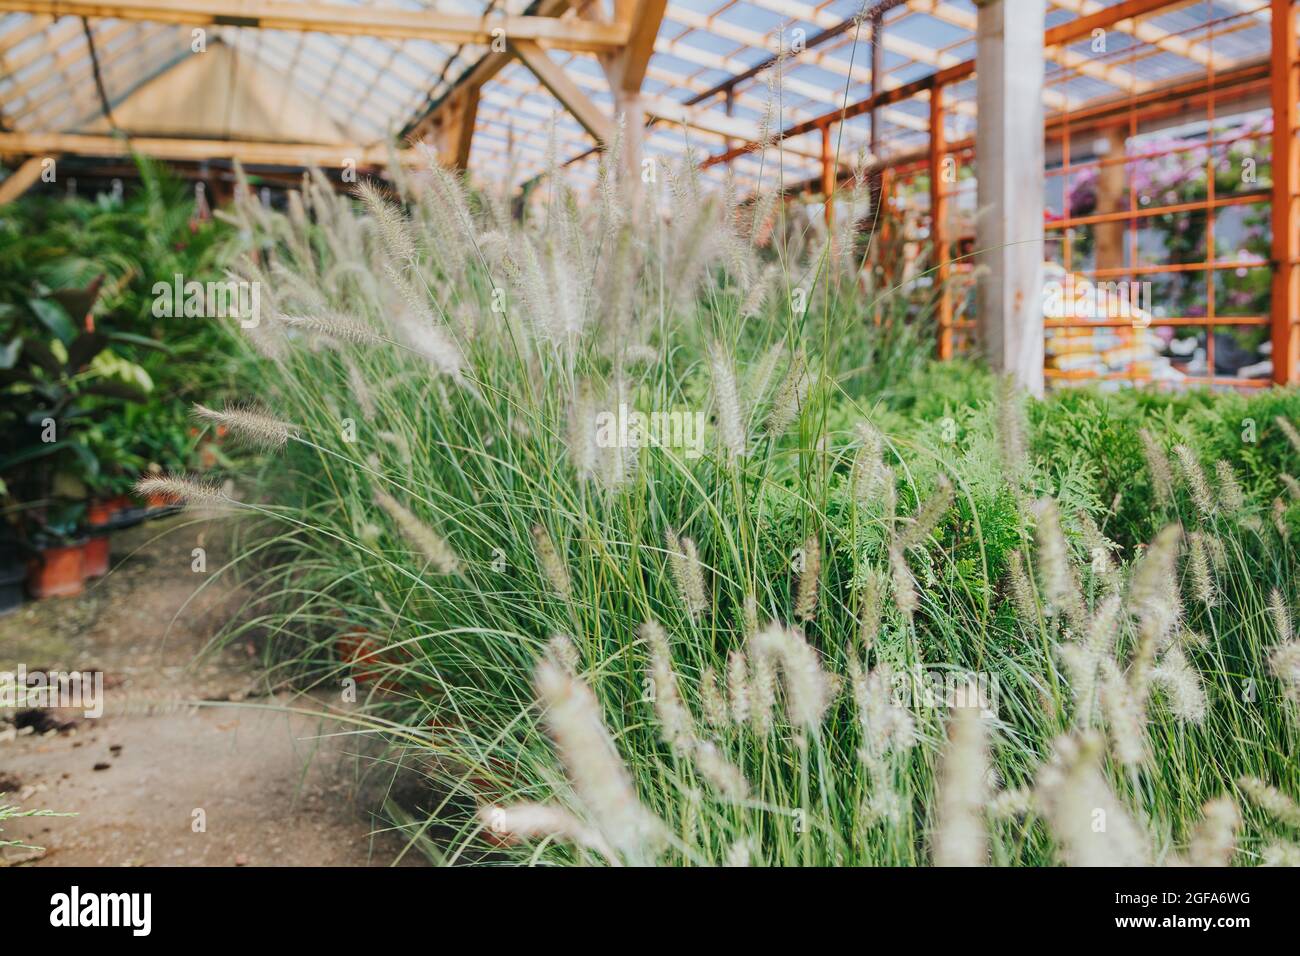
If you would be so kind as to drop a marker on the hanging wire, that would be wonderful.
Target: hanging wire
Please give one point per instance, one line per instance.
(99, 77)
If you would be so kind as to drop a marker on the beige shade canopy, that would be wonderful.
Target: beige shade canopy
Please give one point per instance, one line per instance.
(222, 95)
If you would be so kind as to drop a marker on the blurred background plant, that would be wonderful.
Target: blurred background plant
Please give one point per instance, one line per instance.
(96, 380)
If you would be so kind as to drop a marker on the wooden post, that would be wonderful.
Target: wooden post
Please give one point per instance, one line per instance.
(939, 189)
(1286, 182)
(828, 174)
(453, 129)
(20, 180)
(1111, 177)
(1009, 158)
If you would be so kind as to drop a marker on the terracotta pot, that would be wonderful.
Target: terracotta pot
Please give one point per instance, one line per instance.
(99, 513)
(160, 500)
(57, 572)
(96, 556)
(361, 652)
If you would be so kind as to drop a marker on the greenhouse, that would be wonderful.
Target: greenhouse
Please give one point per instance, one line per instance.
(650, 432)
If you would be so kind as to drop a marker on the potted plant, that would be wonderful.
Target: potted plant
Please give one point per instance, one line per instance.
(56, 381)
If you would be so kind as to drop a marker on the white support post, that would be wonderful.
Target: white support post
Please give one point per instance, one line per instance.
(1009, 161)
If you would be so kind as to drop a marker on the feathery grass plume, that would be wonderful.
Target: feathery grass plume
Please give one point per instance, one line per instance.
(1099, 548)
(789, 397)
(191, 491)
(1126, 715)
(531, 821)
(805, 604)
(1292, 486)
(868, 466)
(928, 515)
(1198, 562)
(718, 771)
(1198, 486)
(887, 727)
(553, 567)
(759, 376)
(1060, 588)
(450, 190)
(962, 788)
(618, 461)
(688, 575)
(609, 180)
(1277, 609)
(905, 598)
(249, 423)
(712, 702)
(1271, 800)
(398, 441)
(428, 542)
(675, 720)
(342, 328)
(870, 612)
(1013, 447)
(1229, 494)
(433, 343)
(597, 773)
(394, 231)
(1083, 658)
(1011, 804)
(1281, 853)
(1214, 840)
(731, 426)
(749, 615)
(1289, 430)
(678, 725)
(1153, 588)
(359, 388)
(1089, 824)
(738, 854)
(808, 689)
(1183, 686)
(761, 693)
(1158, 467)
(1284, 662)
(561, 650)
(1279, 519)
(582, 432)
(1022, 591)
(738, 687)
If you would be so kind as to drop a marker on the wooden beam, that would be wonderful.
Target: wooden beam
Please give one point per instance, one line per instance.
(552, 76)
(487, 67)
(640, 20)
(196, 150)
(1148, 32)
(20, 180)
(436, 26)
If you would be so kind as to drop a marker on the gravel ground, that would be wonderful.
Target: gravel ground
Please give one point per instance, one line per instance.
(191, 763)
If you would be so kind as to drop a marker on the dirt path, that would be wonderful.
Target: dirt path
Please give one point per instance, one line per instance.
(271, 789)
